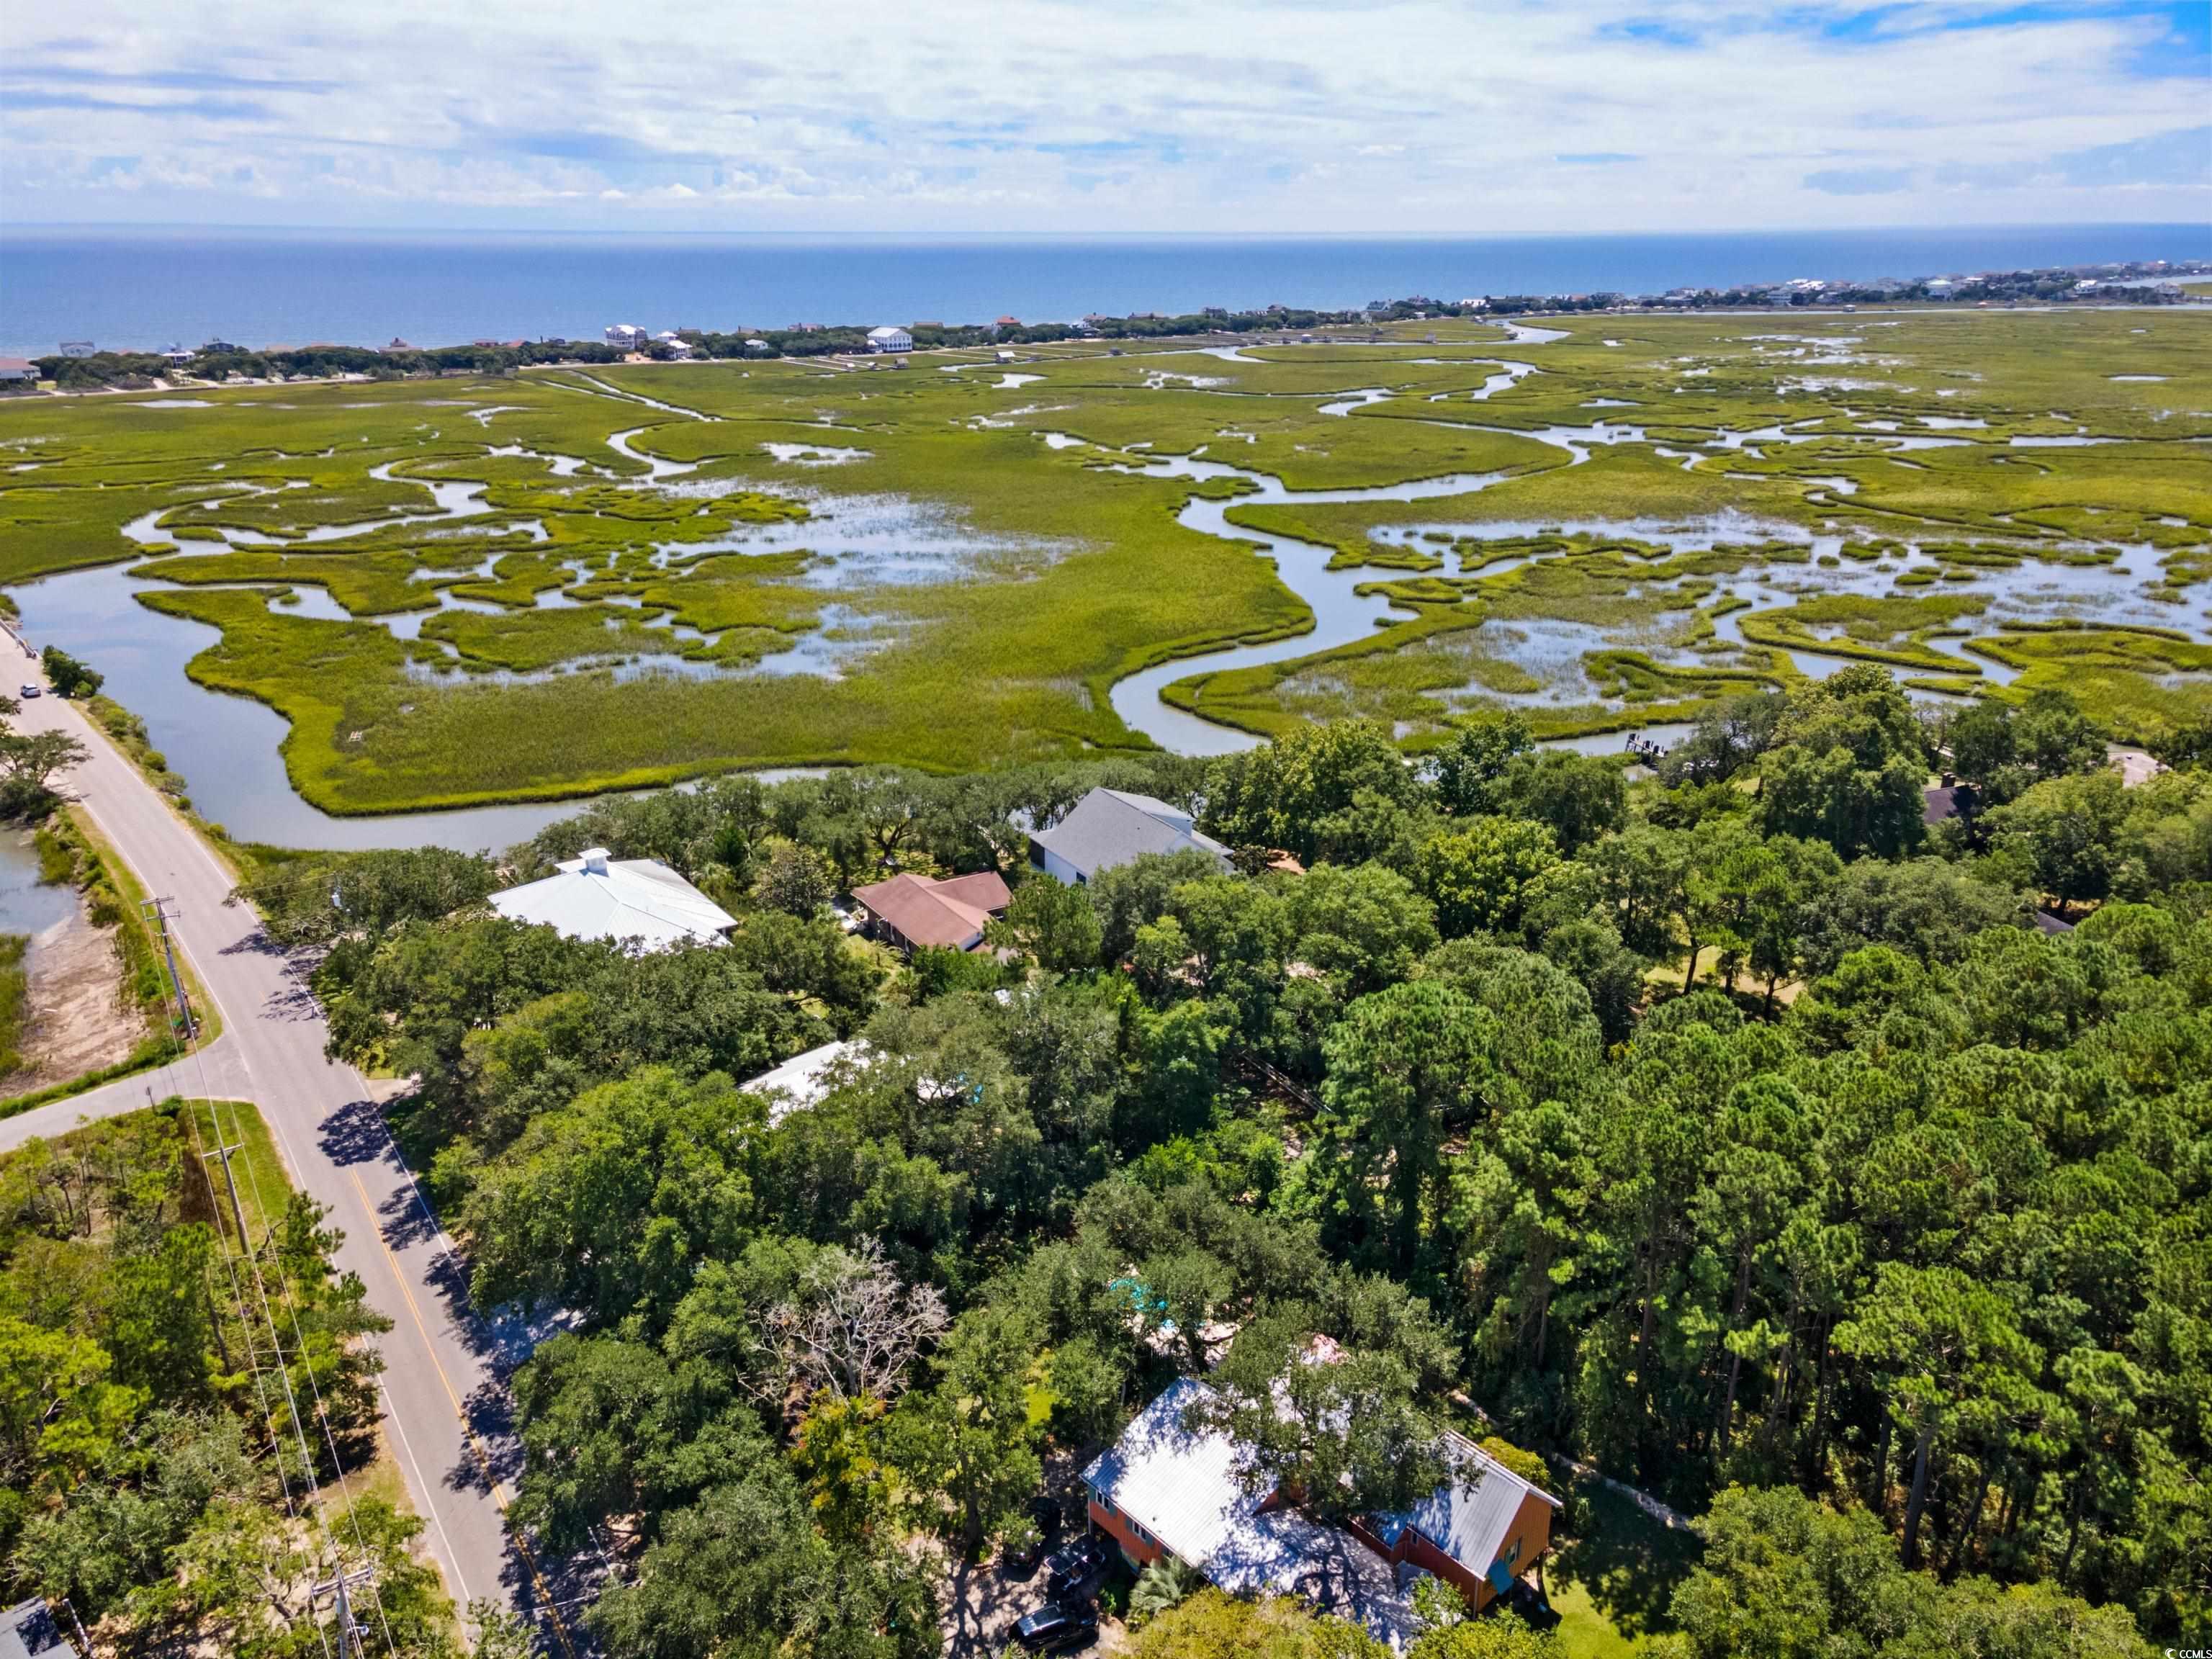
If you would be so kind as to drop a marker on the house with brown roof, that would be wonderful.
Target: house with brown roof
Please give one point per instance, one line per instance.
(910, 911)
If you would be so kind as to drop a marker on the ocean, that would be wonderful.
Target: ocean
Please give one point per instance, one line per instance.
(147, 289)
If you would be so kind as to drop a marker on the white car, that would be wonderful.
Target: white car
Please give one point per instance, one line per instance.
(32, 692)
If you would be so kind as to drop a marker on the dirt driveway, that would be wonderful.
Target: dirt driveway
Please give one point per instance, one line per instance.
(984, 1606)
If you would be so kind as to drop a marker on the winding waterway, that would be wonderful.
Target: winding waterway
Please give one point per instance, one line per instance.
(228, 748)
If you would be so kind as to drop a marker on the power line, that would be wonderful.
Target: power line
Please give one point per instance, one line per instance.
(158, 907)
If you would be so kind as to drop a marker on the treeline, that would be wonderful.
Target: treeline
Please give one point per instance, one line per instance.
(1733, 1129)
(137, 370)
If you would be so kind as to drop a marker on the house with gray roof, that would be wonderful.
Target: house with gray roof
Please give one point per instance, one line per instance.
(1167, 1487)
(28, 1630)
(1111, 827)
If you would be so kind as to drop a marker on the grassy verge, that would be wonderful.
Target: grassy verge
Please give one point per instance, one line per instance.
(114, 894)
(264, 1186)
(15, 997)
(70, 850)
(128, 733)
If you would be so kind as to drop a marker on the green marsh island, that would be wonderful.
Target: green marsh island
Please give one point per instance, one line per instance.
(468, 590)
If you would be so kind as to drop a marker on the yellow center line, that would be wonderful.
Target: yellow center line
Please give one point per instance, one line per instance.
(477, 1446)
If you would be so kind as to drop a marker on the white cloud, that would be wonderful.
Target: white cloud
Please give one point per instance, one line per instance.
(1403, 115)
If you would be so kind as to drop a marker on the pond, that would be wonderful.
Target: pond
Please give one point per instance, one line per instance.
(27, 906)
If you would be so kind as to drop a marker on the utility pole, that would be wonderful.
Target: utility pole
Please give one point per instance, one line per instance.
(230, 1181)
(352, 1644)
(157, 910)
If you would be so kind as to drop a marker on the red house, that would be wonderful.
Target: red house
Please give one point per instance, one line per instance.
(1164, 1489)
(909, 911)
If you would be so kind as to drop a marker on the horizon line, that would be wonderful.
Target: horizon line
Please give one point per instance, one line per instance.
(116, 226)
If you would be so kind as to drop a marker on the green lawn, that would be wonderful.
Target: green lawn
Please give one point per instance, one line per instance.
(1611, 1585)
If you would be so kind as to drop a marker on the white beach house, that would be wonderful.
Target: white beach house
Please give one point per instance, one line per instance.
(630, 899)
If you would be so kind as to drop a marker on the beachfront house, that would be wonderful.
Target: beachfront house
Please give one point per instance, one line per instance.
(18, 371)
(177, 356)
(1165, 1488)
(78, 348)
(626, 336)
(1110, 827)
(639, 902)
(889, 338)
(909, 912)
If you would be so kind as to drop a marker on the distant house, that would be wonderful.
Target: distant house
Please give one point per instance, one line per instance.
(394, 346)
(759, 349)
(177, 356)
(1166, 1488)
(2136, 766)
(889, 339)
(801, 1081)
(1110, 827)
(28, 1630)
(1946, 800)
(77, 347)
(595, 896)
(17, 371)
(675, 345)
(910, 912)
(1005, 323)
(219, 346)
(626, 336)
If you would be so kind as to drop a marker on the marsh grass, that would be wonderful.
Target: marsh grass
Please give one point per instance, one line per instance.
(1068, 574)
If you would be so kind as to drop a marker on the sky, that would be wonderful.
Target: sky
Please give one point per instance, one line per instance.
(1350, 117)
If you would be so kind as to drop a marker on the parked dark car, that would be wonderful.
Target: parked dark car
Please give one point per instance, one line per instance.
(1074, 1567)
(1058, 1626)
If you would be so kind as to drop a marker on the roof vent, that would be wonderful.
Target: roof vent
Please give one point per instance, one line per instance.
(595, 861)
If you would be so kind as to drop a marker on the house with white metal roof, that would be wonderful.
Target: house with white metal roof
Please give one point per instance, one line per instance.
(1167, 1488)
(801, 1082)
(1111, 827)
(628, 900)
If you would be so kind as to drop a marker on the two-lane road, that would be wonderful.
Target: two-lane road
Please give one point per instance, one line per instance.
(445, 1403)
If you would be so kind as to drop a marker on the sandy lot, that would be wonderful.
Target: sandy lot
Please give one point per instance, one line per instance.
(78, 1021)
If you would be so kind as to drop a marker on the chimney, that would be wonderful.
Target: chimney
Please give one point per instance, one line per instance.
(595, 861)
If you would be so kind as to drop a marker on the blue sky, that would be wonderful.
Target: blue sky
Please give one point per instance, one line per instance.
(1385, 116)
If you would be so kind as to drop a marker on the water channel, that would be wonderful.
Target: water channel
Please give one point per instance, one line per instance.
(227, 747)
